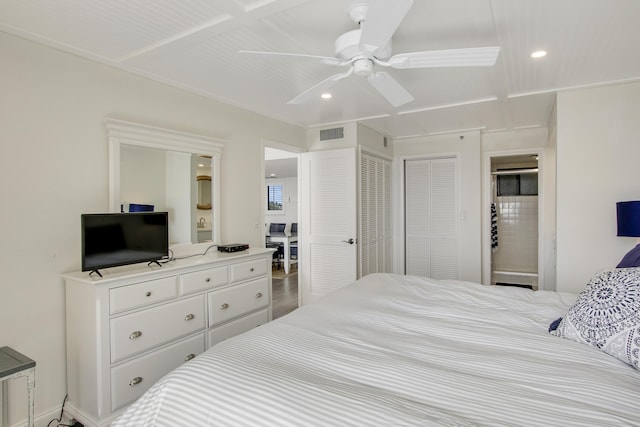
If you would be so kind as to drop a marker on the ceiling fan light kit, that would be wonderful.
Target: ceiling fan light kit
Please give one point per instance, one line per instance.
(363, 49)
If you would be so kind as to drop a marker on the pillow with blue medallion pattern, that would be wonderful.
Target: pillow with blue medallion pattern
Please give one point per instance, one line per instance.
(607, 315)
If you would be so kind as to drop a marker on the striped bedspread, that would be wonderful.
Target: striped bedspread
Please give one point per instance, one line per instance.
(395, 350)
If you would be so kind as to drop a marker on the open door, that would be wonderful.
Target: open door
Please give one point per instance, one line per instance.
(328, 224)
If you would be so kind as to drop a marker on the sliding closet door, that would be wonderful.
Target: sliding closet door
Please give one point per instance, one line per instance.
(375, 237)
(431, 224)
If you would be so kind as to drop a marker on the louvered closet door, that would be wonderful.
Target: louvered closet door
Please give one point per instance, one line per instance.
(375, 215)
(387, 246)
(431, 225)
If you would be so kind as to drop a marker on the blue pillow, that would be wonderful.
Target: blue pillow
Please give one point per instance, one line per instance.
(631, 259)
(607, 315)
(554, 325)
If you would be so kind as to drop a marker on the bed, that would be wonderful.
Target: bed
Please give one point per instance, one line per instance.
(402, 351)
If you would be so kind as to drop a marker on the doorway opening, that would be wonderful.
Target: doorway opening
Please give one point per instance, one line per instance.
(514, 204)
(280, 225)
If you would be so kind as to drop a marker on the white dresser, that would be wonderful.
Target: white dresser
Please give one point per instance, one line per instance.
(127, 329)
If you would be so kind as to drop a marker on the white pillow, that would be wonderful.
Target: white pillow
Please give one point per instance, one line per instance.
(607, 315)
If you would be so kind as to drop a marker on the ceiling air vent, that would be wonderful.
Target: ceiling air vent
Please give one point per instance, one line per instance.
(335, 133)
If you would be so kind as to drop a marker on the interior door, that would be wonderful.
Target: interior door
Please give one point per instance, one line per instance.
(327, 227)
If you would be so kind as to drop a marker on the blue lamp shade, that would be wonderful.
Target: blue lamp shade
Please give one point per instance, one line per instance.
(628, 218)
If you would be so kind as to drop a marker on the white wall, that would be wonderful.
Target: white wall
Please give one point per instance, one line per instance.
(467, 148)
(598, 153)
(372, 141)
(52, 121)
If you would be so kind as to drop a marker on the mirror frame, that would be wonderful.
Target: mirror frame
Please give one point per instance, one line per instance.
(122, 132)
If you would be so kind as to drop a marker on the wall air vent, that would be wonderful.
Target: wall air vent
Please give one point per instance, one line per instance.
(335, 133)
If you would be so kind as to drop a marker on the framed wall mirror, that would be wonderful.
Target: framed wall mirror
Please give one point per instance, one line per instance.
(160, 167)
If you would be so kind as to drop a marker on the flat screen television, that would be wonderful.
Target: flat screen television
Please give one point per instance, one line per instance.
(114, 239)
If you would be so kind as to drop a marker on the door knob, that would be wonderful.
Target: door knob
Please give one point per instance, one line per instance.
(350, 241)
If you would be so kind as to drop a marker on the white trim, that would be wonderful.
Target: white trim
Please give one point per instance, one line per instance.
(555, 91)
(445, 106)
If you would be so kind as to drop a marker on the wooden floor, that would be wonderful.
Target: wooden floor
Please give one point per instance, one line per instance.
(284, 291)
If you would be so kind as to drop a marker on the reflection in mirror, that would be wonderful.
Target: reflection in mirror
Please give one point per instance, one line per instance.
(160, 167)
(204, 192)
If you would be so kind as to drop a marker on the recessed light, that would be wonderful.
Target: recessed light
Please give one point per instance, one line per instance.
(539, 54)
(272, 175)
(325, 95)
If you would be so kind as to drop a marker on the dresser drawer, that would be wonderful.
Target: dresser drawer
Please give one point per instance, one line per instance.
(234, 301)
(146, 329)
(141, 294)
(237, 327)
(248, 270)
(201, 280)
(131, 379)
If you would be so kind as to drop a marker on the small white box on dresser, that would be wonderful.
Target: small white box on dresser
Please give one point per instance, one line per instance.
(127, 329)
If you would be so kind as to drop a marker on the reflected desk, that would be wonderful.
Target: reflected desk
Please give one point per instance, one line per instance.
(285, 239)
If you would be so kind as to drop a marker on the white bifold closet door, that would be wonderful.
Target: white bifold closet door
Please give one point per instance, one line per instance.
(431, 218)
(376, 228)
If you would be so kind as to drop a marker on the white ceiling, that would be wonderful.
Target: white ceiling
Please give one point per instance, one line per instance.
(193, 44)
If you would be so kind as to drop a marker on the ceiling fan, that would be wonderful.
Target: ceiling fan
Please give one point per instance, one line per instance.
(369, 47)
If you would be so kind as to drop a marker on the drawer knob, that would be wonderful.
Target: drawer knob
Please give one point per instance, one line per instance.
(224, 306)
(135, 381)
(208, 279)
(259, 295)
(135, 334)
(189, 357)
(189, 316)
(148, 293)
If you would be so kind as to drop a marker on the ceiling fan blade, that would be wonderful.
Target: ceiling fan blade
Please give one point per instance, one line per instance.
(390, 88)
(328, 60)
(382, 20)
(318, 89)
(468, 57)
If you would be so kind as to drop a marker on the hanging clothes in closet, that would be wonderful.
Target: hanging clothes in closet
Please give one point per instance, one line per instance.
(494, 228)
